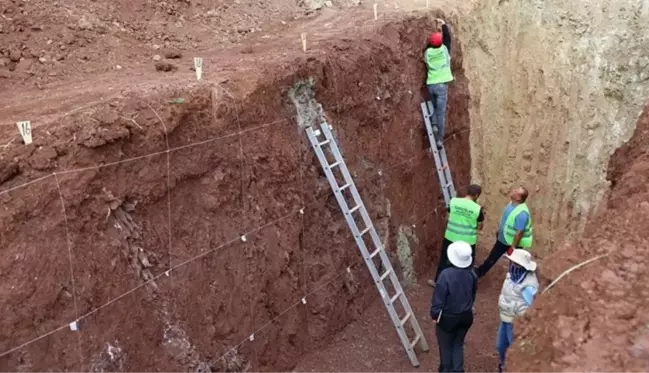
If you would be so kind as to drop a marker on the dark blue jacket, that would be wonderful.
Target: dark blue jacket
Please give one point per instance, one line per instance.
(454, 292)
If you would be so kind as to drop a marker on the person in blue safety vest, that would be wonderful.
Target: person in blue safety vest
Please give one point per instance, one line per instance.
(437, 57)
(514, 231)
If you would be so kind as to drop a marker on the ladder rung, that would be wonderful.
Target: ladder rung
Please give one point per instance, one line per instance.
(386, 274)
(365, 230)
(354, 209)
(344, 187)
(414, 343)
(323, 143)
(335, 164)
(405, 318)
(373, 254)
(394, 298)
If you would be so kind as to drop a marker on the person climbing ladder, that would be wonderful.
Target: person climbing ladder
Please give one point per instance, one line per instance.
(437, 57)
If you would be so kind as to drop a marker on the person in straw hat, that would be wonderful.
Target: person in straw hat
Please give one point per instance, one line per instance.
(518, 291)
(452, 306)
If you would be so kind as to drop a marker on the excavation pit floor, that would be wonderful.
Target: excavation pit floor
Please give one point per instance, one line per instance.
(370, 344)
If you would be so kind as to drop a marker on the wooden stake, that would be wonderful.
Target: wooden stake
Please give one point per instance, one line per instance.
(376, 11)
(303, 41)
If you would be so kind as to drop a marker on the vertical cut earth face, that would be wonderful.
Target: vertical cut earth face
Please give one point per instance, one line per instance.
(556, 87)
(211, 181)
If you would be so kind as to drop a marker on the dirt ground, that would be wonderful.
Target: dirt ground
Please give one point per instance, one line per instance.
(370, 344)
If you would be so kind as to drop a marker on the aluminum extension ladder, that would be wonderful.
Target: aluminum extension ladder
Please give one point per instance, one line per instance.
(348, 186)
(441, 162)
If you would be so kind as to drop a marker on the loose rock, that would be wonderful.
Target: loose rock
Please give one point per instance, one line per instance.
(164, 66)
(172, 54)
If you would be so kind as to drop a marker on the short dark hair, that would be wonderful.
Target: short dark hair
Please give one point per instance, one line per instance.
(524, 194)
(474, 190)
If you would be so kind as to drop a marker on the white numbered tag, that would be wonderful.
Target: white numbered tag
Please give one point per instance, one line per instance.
(25, 128)
(198, 66)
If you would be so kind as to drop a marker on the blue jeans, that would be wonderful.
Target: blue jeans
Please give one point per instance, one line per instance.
(439, 97)
(504, 339)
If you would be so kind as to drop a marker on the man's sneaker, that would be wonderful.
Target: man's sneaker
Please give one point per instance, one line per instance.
(500, 368)
(439, 144)
(431, 283)
(435, 129)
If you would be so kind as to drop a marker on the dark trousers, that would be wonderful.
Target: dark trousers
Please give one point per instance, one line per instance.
(451, 349)
(443, 257)
(497, 251)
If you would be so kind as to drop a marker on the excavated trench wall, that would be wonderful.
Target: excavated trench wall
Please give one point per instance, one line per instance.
(556, 87)
(238, 165)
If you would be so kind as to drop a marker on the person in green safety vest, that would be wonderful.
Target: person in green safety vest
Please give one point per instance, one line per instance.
(437, 57)
(465, 219)
(514, 231)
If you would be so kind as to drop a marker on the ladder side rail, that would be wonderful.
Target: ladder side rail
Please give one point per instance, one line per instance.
(385, 260)
(354, 191)
(359, 239)
(342, 202)
(439, 164)
(447, 173)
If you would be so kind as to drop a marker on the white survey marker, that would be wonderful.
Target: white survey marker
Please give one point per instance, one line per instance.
(198, 66)
(74, 326)
(25, 128)
(376, 11)
(303, 300)
(251, 338)
(303, 36)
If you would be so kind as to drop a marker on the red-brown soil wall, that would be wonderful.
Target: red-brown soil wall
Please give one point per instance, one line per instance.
(128, 221)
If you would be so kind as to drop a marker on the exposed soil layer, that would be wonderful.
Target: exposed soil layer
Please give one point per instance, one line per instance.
(110, 196)
(593, 319)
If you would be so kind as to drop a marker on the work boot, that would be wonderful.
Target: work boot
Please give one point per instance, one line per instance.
(435, 129)
(439, 144)
(431, 283)
(500, 368)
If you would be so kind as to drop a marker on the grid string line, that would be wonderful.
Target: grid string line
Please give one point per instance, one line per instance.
(167, 151)
(70, 260)
(289, 308)
(156, 277)
(229, 242)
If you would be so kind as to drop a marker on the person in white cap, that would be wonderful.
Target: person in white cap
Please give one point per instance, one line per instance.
(518, 292)
(452, 306)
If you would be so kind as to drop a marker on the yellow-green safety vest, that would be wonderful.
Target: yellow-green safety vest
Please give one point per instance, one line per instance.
(462, 221)
(510, 231)
(438, 61)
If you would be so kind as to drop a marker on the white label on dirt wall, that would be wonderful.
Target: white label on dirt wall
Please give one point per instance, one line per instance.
(25, 129)
(198, 66)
